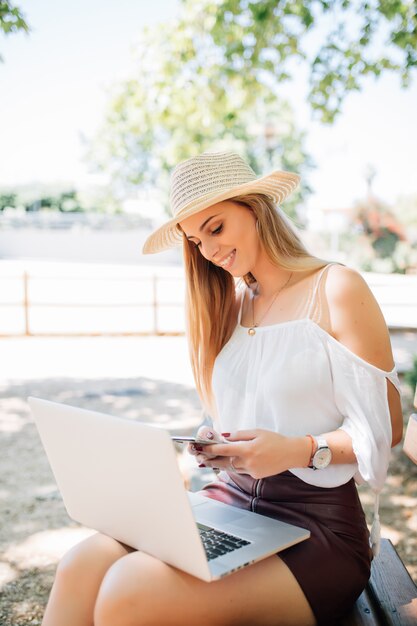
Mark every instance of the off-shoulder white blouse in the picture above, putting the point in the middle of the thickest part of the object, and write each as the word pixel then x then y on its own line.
pixel 295 378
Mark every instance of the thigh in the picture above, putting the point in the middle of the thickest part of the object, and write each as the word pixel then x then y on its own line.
pixel 140 589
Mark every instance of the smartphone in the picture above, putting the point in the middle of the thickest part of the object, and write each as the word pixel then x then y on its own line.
pixel 185 439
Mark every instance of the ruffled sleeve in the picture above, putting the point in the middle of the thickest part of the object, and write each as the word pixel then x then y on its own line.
pixel 360 393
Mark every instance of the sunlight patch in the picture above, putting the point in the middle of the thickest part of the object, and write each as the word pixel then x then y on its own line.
pixel 12 424
pixel 45 548
pixel 390 533
pixel 7 574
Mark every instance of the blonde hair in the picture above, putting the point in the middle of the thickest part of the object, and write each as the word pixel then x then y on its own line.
pixel 211 291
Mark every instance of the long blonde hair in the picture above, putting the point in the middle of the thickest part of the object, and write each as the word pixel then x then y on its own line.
pixel 211 291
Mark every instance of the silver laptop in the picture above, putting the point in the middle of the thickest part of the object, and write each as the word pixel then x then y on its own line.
pixel 121 477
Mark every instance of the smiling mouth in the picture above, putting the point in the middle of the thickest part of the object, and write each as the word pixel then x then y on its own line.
pixel 227 262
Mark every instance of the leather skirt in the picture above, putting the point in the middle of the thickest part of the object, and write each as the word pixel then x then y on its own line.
pixel 333 566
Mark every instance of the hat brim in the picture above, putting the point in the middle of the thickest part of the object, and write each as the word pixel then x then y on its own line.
pixel 277 186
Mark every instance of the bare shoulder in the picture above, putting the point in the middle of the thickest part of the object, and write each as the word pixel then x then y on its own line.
pixel 344 283
pixel 356 318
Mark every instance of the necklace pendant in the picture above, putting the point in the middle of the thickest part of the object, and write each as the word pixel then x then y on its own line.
pixel 251 331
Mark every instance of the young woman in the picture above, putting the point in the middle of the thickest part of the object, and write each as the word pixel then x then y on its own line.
pixel 296 369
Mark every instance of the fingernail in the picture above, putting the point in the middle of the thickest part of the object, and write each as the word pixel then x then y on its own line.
pixel 226 434
pixel 201 465
pixel 199 448
pixel 209 435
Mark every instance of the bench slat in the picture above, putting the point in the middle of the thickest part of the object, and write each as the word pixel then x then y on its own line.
pixel 390 598
pixel 392 587
pixel 364 612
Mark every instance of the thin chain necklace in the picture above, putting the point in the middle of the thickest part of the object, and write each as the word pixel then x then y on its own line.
pixel 251 330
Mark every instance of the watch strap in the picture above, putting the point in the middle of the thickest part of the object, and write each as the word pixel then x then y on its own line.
pixel 321 443
pixel 314 448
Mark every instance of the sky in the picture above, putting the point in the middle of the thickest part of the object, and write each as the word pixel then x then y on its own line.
pixel 54 87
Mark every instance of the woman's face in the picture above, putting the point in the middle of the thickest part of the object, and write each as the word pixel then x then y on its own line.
pixel 226 235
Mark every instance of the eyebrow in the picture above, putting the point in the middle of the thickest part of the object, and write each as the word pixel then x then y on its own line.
pixel 202 226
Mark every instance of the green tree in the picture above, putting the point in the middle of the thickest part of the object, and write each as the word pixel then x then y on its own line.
pixel 7 200
pixel 340 41
pixel 65 202
pixel 410 376
pixel 11 19
pixel 181 101
pixel 212 78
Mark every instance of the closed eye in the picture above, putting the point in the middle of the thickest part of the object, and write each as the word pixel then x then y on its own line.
pixel 216 231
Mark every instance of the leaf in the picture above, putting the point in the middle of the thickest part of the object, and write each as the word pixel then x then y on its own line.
pixel 210 77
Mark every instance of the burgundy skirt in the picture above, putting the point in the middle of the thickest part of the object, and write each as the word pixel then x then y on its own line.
pixel 333 566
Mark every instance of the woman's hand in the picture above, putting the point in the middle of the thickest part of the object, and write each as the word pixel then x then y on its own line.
pixel 198 450
pixel 259 453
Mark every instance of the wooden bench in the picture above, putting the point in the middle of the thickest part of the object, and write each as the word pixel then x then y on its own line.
pixel 390 597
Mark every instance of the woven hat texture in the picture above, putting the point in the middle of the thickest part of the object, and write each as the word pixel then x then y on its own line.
pixel 208 178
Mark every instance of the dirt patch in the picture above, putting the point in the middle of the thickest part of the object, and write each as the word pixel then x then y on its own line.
pixel 35 529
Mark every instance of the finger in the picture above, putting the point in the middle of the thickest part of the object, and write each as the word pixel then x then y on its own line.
pixel 205 432
pixel 219 462
pixel 202 458
pixel 241 435
pixel 208 434
pixel 224 449
pixel 195 448
pixel 191 449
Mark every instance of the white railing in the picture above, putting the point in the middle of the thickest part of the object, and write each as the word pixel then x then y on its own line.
pixel 138 301
pixel 71 305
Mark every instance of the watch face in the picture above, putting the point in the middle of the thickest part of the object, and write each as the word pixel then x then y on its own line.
pixel 322 458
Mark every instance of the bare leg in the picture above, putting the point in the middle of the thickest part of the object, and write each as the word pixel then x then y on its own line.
pixel 140 590
pixel 78 579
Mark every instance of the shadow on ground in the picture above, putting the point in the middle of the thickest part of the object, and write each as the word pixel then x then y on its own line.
pixel 35 529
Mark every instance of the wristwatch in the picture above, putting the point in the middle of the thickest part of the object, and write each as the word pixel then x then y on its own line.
pixel 322 456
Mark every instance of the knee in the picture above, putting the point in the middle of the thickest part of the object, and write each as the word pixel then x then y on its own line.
pixel 72 563
pixel 127 591
pixel 81 560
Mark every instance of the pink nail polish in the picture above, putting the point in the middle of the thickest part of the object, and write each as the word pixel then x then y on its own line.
pixel 226 434
pixel 209 435
pixel 201 465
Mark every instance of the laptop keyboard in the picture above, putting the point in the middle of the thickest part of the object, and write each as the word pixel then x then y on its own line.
pixel 216 543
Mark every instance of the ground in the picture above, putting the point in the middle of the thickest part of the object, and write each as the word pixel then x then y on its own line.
pixel 35 529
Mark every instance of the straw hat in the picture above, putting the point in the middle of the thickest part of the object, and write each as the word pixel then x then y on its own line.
pixel 211 177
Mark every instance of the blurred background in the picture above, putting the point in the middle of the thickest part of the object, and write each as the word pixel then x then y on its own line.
pixel 99 100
